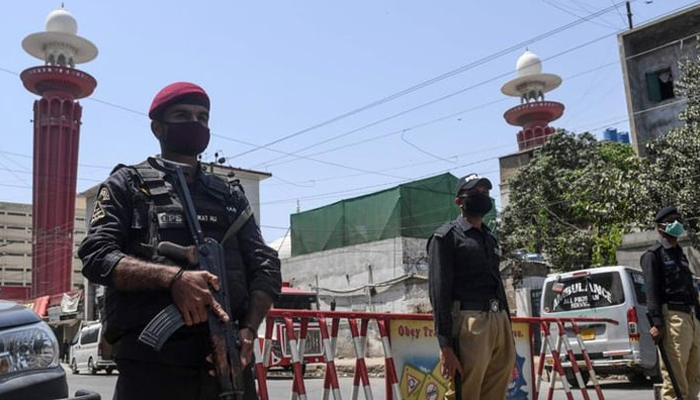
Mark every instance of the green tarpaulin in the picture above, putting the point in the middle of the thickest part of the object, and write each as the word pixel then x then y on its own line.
pixel 414 209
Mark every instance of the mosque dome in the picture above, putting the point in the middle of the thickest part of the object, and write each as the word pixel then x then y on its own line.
pixel 528 64
pixel 62 21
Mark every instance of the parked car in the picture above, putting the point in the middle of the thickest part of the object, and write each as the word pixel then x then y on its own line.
pixel 90 352
pixel 29 356
pixel 615 292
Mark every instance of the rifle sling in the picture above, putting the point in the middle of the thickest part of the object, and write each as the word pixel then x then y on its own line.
pixel 238 224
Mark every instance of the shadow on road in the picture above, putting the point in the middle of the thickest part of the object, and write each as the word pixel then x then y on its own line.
pixel 625 385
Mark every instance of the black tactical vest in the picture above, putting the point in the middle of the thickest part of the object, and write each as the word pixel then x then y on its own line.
pixel 678 280
pixel 158 216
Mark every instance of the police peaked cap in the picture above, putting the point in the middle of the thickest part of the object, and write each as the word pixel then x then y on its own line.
pixel 469 182
pixel 177 93
pixel 665 212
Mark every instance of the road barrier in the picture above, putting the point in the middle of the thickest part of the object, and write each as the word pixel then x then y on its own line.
pixel 411 336
pixel 549 347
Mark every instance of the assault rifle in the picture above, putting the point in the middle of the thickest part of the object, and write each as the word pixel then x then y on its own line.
pixel 208 256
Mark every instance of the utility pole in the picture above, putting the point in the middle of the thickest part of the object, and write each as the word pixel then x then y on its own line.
pixel 629 14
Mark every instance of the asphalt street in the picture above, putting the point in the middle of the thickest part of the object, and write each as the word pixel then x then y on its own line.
pixel 280 388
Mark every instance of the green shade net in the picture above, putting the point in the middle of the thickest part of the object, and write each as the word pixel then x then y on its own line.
pixel 414 209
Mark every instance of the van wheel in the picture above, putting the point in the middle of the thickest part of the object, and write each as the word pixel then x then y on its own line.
pixel 571 377
pixel 638 378
pixel 74 367
pixel 91 367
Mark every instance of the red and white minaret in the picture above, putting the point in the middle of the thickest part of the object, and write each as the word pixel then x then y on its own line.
pixel 56 136
pixel 534 113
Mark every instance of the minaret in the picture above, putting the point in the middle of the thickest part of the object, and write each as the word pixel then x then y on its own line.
pixel 56 136
pixel 534 113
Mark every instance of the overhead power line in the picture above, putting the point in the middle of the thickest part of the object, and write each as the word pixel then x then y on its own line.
pixel 439 78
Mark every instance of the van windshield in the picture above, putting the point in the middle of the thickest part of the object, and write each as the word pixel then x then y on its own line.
pixel 583 292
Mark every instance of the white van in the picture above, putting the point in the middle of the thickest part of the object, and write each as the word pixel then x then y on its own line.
pixel 617 293
pixel 89 351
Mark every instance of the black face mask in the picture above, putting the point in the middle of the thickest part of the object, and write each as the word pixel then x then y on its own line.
pixel 477 204
pixel 187 138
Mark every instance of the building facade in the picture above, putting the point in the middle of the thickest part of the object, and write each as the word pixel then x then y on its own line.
pixel 368 253
pixel 650 56
pixel 16 249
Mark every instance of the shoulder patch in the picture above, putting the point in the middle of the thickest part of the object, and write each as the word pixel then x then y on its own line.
pixel 103 195
pixel 97 213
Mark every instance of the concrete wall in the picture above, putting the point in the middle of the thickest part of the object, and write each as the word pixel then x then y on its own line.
pixel 647 49
pixel 363 277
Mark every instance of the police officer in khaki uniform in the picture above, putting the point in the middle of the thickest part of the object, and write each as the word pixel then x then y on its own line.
pixel 672 301
pixel 471 314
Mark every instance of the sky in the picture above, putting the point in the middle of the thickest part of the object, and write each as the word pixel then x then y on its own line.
pixel 335 99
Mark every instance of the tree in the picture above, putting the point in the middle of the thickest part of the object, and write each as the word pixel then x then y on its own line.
pixel 672 167
pixel 574 201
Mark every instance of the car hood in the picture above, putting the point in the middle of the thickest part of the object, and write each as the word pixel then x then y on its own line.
pixel 13 314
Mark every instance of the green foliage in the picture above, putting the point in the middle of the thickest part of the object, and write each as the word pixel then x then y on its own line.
pixel 574 201
pixel 578 197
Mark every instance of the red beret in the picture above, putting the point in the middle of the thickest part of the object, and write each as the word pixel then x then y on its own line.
pixel 178 92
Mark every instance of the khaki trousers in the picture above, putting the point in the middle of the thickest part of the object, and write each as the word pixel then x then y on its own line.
pixel 681 341
pixel 487 354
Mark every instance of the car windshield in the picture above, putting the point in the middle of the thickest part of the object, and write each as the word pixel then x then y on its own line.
pixel 583 292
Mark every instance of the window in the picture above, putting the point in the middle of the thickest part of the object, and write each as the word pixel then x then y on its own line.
pixel 660 85
pixel 640 289
pixel 582 292
pixel 90 334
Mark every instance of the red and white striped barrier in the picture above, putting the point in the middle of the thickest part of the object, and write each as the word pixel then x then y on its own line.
pixel 358 322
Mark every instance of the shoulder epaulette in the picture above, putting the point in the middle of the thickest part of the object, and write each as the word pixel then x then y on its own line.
pixel 216 186
pixel 444 229
pixel 655 247
pixel 118 167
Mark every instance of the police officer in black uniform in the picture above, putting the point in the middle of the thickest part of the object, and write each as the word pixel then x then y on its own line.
pixel 672 301
pixel 134 211
pixel 471 314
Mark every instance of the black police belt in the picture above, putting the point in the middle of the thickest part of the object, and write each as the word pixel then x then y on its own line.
pixel 686 308
pixel 491 305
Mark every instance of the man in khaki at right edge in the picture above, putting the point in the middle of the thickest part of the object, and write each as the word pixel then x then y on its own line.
pixel 672 301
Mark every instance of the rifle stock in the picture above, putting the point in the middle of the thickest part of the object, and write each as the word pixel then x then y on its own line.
pixel 207 254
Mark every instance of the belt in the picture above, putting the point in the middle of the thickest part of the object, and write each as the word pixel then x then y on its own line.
pixel 687 308
pixel 492 305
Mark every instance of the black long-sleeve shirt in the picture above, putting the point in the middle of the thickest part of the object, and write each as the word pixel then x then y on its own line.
pixel 668 279
pixel 124 214
pixel 115 216
pixel 463 266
